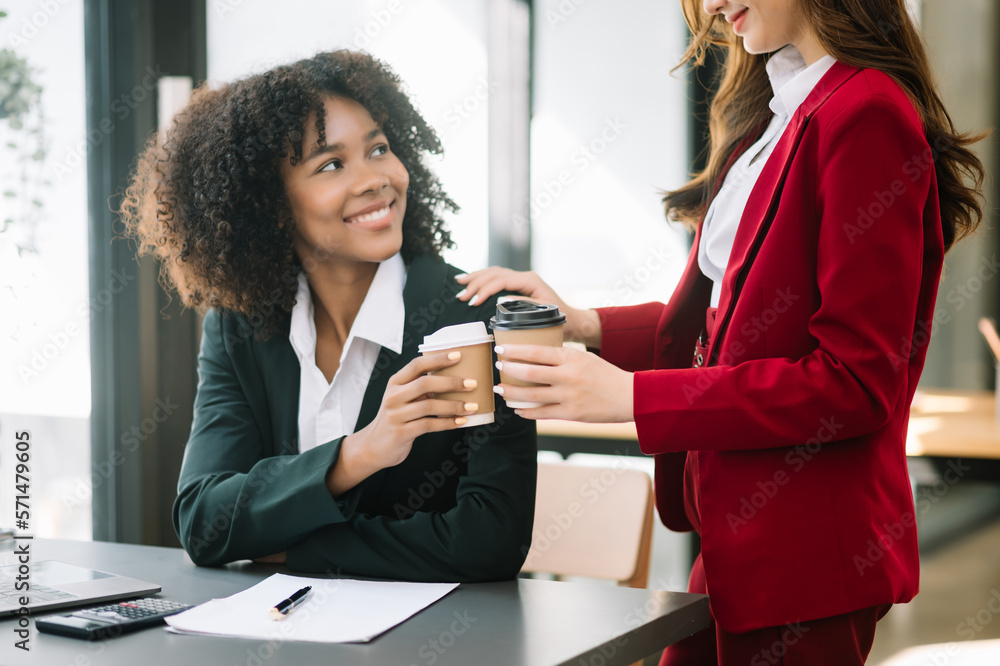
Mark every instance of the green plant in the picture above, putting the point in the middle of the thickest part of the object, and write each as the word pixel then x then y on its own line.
pixel 22 149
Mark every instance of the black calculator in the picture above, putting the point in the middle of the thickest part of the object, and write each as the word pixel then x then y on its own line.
pixel 110 620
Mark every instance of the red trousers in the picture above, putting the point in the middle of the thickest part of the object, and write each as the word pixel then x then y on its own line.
pixel 843 640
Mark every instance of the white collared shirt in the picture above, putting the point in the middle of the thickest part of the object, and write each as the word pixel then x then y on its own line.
pixel 792 82
pixel 328 410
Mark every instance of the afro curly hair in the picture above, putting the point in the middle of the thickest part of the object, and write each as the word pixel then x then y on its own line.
pixel 208 199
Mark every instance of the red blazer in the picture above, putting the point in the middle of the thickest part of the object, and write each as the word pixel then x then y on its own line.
pixel 800 421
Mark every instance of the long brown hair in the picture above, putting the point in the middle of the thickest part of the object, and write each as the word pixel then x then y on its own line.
pixel 873 34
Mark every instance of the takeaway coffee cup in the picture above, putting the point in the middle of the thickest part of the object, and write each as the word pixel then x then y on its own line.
pixel 526 323
pixel 475 344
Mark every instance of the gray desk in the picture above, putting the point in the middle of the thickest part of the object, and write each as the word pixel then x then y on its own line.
pixel 531 622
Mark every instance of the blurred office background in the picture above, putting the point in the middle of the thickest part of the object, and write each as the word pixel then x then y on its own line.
pixel 561 120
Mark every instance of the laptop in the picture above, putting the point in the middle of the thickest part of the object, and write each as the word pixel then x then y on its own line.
pixel 56 585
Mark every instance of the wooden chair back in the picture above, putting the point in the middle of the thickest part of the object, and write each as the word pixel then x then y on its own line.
pixel 592 521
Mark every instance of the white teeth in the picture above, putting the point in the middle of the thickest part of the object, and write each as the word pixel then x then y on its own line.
pixel 371 217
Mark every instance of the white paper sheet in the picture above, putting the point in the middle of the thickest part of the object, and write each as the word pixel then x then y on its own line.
pixel 336 610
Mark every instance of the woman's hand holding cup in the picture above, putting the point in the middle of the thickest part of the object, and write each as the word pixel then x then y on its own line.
pixel 575 385
pixel 409 409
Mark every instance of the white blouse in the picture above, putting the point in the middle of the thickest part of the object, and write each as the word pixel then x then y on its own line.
pixel 328 410
pixel 792 82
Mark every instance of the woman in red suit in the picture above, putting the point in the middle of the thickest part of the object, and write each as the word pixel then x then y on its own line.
pixel 836 182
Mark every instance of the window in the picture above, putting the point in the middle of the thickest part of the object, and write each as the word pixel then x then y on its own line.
pixel 608 133
pixel 438 49
pixel 44 297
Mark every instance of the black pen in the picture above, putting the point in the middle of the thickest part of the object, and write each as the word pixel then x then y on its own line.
pixel 281 610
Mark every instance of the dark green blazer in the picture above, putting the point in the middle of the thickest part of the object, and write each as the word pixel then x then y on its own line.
pixel 459 508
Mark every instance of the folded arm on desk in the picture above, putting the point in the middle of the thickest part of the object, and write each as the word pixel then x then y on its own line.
pixel 486 535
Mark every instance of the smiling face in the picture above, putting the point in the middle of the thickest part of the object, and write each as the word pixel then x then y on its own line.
pixel 347 198
pixel 768 25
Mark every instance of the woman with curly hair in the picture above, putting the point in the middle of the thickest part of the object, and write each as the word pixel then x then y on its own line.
pixel 294 207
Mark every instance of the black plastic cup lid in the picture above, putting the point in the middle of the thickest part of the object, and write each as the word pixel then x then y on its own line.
pixel 525 314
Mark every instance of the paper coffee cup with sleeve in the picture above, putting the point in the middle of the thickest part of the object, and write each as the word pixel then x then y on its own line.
pixel 520 322
pixel 476 346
